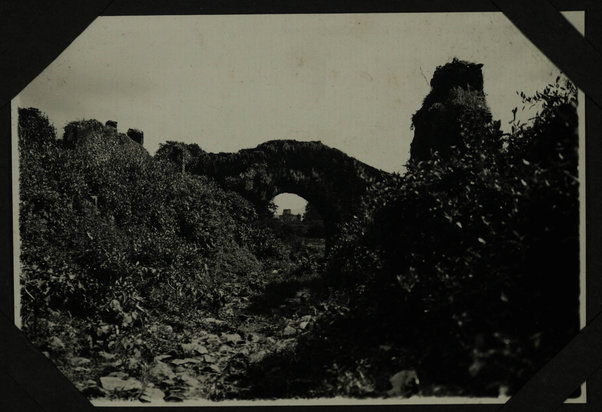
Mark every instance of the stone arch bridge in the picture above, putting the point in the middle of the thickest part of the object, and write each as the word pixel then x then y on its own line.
pixel 330 180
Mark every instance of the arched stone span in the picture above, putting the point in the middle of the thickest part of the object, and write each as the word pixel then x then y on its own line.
pixel 330 180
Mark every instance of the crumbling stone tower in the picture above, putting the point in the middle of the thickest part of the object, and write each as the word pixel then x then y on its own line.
pixel 456 96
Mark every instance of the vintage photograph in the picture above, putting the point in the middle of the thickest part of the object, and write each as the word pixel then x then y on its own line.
pixel 337 208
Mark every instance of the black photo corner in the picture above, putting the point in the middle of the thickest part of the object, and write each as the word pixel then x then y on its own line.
pixel 34 33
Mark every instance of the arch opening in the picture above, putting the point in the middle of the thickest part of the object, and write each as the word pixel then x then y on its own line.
pixel 294 204
pixel 297 221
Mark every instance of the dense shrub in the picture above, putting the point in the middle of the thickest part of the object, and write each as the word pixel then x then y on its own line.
pixel 474 257
pixel 107 232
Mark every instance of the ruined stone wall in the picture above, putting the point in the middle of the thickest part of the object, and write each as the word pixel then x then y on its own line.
pixel 456 92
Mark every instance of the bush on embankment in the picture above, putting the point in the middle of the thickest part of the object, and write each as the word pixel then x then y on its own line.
pixel 108 233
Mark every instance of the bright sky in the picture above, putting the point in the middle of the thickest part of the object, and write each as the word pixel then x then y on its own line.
pixel 352 81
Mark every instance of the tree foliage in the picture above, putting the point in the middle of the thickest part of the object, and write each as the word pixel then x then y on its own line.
pixel 475 255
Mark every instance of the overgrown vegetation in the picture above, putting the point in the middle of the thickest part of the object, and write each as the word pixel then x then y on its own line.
pixel 472 260
pixel 142 280
pixel 113 240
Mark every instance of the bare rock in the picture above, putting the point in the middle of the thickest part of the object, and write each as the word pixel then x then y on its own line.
pixel 225 348
pixel 161 358
pixel 404 383
pixel 257 357
pixel 112 383
pixel 232 337
pixel 151 395
pixel 289 331
pixel 194 348
pixel 185 361
pixel 213 368
pixel 188 379
pixel 162 371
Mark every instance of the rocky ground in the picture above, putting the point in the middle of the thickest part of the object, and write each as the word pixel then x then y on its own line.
pixel 285 334
pixel 204 355
pixel 205 365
